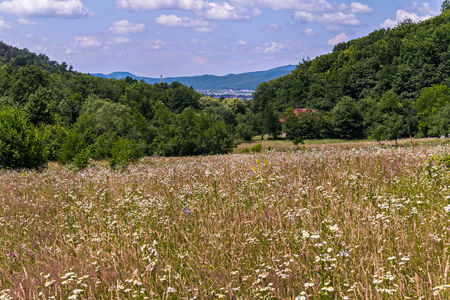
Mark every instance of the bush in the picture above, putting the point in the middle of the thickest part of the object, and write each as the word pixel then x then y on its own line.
pixel 245 131
pixel 298 140
pixel 256 148
pixel 53 137
pixel 270 149
pixel 21 145
pixel 73 145
pixel 81 160
pixel 123 153
pixel 245 150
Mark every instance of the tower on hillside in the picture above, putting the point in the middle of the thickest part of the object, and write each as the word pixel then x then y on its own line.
pixel 160 79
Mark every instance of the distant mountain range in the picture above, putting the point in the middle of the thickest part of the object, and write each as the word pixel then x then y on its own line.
pixel 211 82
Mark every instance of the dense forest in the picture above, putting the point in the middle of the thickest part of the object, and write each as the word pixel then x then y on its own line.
pixel 50 112
pixel 392 83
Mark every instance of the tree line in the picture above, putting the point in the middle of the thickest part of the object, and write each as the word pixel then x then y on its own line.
pixel 49 112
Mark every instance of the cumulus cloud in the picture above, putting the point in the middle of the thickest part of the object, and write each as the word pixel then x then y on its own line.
pixel 402 15
pixel 4 25
pixel 332 27
pixel 45 8
pixel 121 40
pixel 175 21
pixel 272 27
pixel 274 47
pixel 207 10
pixel 158 44
pixel 126 27
pixel 309 32
pixel 358 8
pixel 327 18
pixel 27 22
pixel 411 12
pixel 86 42
pixel 338 39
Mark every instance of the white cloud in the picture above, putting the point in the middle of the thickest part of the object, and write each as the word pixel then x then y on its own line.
pixel 175 21
pixel 327 18
pixel 126 27
pixel 310 32
pixel 272 27
pixel 4 25
pixel 274 48
pixel 45 8
pixel 72 51
pixel 30 36
pixel 338 39
pixel 158 44
pixel 241 43
pixel 87 42
pixel 358 8
pixel 424 8
pixel 402 15
pixel 121 40
pixel 206 10
pixel 332 27
pixel 27 22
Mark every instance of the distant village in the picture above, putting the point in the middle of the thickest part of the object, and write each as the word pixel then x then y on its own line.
pixel 246 95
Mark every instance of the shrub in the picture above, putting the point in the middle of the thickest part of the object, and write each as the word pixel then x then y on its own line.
pixel 123 153
pixel 270 149
pixel 21 145
pixel 73 145
pixel 256 148
pixel 245 150
pixel 81 160
pixel 298 140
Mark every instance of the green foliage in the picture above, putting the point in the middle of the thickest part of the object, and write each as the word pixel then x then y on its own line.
pixel 298 140
pixel 245 150
pixel 245 131
pixel 21 145
pixel 124 152
pixel 53 137
pixel 445 5
pixel 191 133
pixel 390 129
pixel 429 103
pixel 81 160
pixel 346 120
pixel 256 148
pixel 271 122
pixel 74 144
pixel 440 123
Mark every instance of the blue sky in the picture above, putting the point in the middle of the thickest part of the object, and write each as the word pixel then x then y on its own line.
pixel 193 37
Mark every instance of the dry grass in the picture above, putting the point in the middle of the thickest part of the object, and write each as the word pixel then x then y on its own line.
pixel 327 223
pixel 282 144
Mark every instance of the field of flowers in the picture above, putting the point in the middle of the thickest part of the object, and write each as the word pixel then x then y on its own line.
pixel 326 223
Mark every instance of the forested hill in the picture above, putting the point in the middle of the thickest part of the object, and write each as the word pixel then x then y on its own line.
pixel 403 60
pixel 211 82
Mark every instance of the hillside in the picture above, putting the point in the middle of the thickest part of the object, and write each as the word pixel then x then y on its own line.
pixel 211 82
pixel 387 68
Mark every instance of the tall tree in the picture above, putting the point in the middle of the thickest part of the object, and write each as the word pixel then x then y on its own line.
pixel 445 5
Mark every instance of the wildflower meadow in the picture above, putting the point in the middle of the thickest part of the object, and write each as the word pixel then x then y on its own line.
pixel 319 223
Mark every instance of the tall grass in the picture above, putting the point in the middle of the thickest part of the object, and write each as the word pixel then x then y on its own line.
pixel 327 223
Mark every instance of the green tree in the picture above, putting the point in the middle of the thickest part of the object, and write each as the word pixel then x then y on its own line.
pixel 430 101
pixel 391 128
pixel 21 145
pixel 445 5
pixel 346 120
pixel 271 122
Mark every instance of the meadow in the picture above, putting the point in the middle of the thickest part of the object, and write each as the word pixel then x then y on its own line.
pixel 368 222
